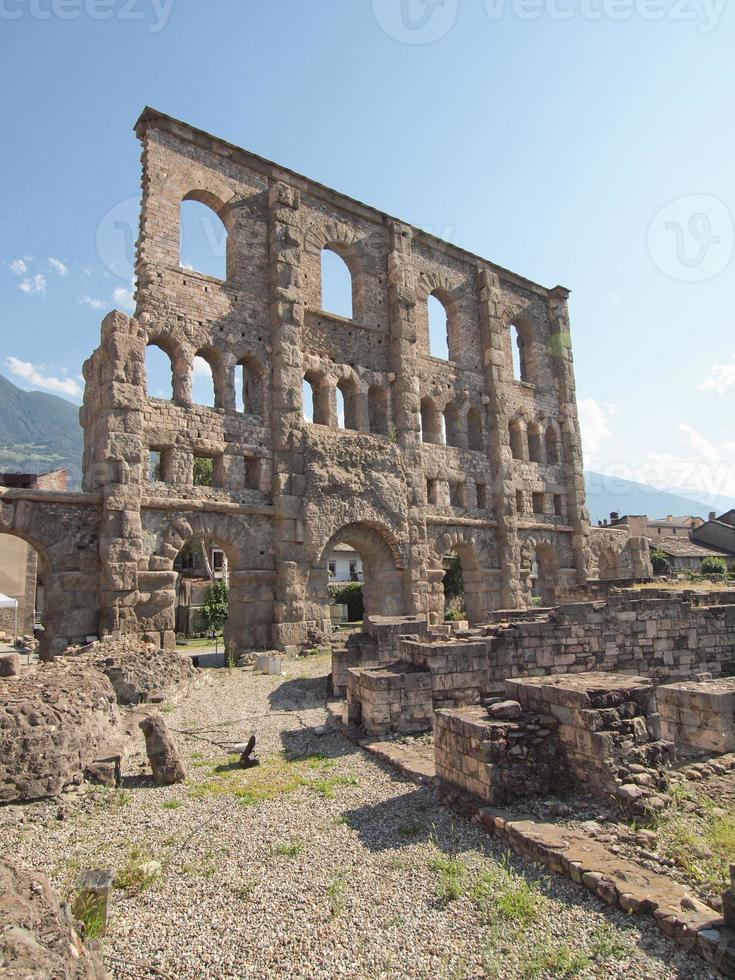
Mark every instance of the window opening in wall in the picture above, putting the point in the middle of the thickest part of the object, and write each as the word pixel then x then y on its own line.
pixel 203 241
pixel 158 373
pixel 203 471
pixel 519 354
pixel 538 503
pixel 438 328
pixel 155 466
pixel 202 382
pixel 432 492
pixel 558 505
pixel 308 401
pixel 520 503
pixel 481 490
pixel 336 284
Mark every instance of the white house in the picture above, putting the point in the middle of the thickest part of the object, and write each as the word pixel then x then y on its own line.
pixel 345 564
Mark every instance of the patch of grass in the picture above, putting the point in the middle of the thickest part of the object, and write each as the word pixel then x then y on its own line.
pixel 341 819
pixel 89 909
pixel 411 829
pixel 167 708
pixel 607 944
pixel 335 893
pixel 139 872
pixel 555 959
pixel 245 891
pixel 171 804
pixel 500 893
pixel 451 874
pixel 325 787
pixel 292 849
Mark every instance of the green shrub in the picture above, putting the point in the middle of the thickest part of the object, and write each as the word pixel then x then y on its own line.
pixel 348 594
pixel 214 610
pixel 713 566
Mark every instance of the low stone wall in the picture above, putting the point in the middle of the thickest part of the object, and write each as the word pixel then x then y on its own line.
pixel 377 644
pixel 384 699
pixel 699 714
pixel 497 760
pixel 608 726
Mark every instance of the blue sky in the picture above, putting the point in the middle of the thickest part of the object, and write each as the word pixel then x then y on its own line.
pixel 582 142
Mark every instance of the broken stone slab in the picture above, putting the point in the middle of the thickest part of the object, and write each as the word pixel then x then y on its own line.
pixel 9 664
pixel 92 898
pixel 162 753
pixel 504 710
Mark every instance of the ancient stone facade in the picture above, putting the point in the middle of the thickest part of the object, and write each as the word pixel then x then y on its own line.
pixel 435 457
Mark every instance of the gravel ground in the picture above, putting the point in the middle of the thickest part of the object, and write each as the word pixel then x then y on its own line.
pixel 330 865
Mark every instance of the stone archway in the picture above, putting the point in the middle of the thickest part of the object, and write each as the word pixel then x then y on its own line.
pixel 480 573
pixel 383 575
pixel 540 567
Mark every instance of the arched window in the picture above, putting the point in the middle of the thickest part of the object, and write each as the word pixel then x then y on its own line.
pixel 438 328
pixel 535 444
pixel 517 441
pixel 316 399
pixel 336 284
pixel 475 430
pixel 552 446
pixel 347 396
pixel 249 387
pixel 519 351
pixel 205 380
pixel 432 423
pixel 378 410
pixel 454 424
pixel 203 236
pixel 158 372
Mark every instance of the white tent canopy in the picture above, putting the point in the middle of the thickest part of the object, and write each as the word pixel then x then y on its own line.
pixel 7 603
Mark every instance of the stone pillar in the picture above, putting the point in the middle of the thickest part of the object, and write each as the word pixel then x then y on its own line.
pixel 406 405
pixel 560 350
pixel 497 375
pixel 287 319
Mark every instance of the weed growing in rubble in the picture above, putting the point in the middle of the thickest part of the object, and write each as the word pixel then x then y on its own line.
pixel 139 872
pixel 335 892
pixel 292 849
pixel 451 874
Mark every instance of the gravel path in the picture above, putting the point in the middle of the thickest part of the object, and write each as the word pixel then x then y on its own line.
pixel 329 865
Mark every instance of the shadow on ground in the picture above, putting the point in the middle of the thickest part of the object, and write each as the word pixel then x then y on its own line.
pixel 299 694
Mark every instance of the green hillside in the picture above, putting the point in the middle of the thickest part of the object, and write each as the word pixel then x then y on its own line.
pixel 38 432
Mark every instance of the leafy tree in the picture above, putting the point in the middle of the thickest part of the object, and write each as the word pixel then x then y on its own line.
pixel 214 611
pixel 713 566
pixel 453 579
pixel 203 471
pixel 348 594
pixel 660 562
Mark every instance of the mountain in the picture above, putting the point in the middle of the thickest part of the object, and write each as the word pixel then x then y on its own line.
pixel 38 433
pixel 606 494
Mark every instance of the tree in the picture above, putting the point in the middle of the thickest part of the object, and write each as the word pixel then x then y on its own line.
pixel 660 562
pixel 203 471
pixel 215 611
pixel 348 594
pixel 453 579
pixel 713 566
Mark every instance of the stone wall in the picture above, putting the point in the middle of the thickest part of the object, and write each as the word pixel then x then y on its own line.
pixel 699 714
pixel 435 457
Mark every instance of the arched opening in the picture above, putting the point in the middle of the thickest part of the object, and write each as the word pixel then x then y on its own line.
pixel 249 395
pixel 203 236
pixel 315 395
pixel 464 585
pixel 359 561
pixel 535 444
pixel 337 286
pixel 438 327
pixel 519 353
pixel 204 389
pixel 432 423
pixel 475 430
pixel 517 441
pixel 378 409
pixel 552 446
pixel 545 575
pixel 347 405
pixel 22 583
pixel 159 371
pixel 456 432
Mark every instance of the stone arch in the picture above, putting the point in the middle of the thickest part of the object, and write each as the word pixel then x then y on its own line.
pixel 432 422
pixel 383 571
pixel 455 421
pixel 251 581
pixel 520 340
pixel 379 413
pixel 253 385
pixel 337 237
pixel 541 566
pixel 517 437
pixel 607 562
pixel 444 290
pixel 216 362
pixel 180 364
pixel 536 447
pixel 477 554
pixel 476 429
pixel 552 444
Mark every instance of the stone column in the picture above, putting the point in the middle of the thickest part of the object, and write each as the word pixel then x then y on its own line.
pixel 406 404
pixel 497 375
pixel 560 349
pixel 289 484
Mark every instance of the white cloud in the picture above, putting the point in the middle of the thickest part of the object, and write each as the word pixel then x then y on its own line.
pixel 201 369
pixel 33 375
pixel 594 421
pixel 18 267
pixel 707 450
pixel 58 266
pixel 720 378
pixel 123 297
pixel 35 286
pixel 707 467
pixel 92 302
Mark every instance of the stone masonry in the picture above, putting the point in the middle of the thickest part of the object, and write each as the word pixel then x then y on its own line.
pixel 435 458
